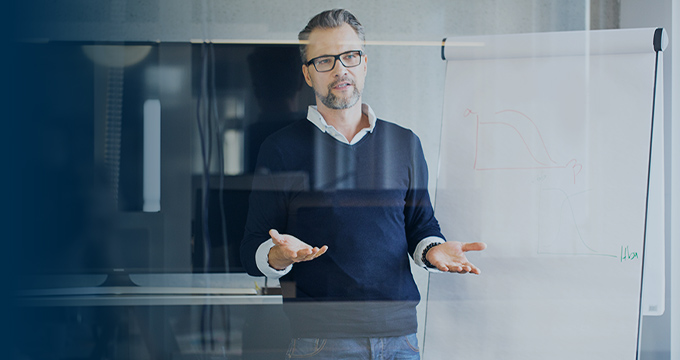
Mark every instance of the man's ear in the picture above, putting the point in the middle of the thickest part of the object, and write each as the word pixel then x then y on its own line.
pixel 305 72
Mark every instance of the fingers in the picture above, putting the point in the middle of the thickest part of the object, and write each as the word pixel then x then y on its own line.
pixel 474 246
pixel 461 269
pixel 458 268
pixel 321 251
pixel 450 257
pixel 309 253
pixel 276 237
pixel 295 250
pixel 303 255
pixel 468 267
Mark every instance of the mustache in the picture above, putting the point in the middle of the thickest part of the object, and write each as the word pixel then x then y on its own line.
pixel 343 79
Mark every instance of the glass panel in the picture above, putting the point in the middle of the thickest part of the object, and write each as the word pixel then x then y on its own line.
pixel 142 124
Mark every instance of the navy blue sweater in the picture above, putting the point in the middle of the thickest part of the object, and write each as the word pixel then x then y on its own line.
pixel 368 202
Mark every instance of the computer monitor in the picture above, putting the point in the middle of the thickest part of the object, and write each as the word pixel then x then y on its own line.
pixel 82 144
pixel 82 141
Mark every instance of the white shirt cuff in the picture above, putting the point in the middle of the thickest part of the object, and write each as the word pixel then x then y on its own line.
pixel 418 253
pixel 262 261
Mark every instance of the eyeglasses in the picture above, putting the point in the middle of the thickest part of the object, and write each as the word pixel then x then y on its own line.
pixel 326 63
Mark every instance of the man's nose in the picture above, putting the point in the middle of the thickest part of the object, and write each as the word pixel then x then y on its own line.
pixel 339 68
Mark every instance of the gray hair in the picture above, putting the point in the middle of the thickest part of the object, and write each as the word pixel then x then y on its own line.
pixel 329 19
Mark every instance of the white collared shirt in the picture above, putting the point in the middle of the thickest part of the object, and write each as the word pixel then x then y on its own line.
pixel 315 117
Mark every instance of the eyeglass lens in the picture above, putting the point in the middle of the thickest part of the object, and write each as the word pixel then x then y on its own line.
pixel 327 63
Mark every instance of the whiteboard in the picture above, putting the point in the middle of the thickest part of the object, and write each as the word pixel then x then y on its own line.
pixel 545 157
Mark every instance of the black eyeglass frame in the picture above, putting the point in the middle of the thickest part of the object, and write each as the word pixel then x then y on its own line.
pixel 335 60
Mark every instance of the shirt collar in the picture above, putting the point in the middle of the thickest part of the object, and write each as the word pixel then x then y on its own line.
pixel 317 119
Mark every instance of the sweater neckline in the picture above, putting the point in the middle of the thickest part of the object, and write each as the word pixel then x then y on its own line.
pixel 332 140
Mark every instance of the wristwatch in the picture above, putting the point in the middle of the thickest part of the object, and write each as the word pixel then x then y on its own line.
pixel 424 257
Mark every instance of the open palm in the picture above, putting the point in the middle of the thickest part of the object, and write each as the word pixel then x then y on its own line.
pixel 450 256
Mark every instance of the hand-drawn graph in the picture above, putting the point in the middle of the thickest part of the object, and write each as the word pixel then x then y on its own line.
pixel 523 144
pixel 561 224
pixel 511 140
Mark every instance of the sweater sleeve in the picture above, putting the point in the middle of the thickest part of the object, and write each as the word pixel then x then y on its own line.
pixel 267 207
pixel 418 212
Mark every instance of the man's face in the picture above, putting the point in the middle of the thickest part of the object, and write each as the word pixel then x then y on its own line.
pixel 341 87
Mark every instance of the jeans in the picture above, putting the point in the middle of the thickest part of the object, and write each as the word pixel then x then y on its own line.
pixel 386 348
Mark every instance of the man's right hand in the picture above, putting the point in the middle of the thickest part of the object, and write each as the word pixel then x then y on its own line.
pixel 288 250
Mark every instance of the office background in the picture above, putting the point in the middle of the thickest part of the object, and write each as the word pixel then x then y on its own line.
pixel 405 80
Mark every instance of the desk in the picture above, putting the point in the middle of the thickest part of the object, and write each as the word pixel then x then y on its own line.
pixel 172 321
pixel 148 300
pixel 154 289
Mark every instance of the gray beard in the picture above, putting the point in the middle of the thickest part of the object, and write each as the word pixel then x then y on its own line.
pixel 337 103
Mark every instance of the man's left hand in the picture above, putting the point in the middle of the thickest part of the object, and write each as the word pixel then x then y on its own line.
pixel 450 256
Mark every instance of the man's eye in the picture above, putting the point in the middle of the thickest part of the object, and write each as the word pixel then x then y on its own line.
pixel 322 61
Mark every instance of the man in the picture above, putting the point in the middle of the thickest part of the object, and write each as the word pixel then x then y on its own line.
pixel 339 236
